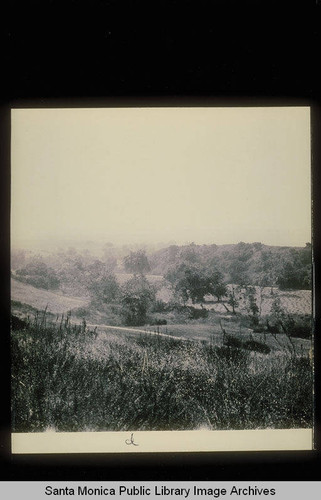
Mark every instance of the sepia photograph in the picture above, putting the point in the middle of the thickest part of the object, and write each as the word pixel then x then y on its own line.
pixel 161 273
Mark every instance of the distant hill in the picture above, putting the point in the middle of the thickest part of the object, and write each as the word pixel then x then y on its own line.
pixel 244 263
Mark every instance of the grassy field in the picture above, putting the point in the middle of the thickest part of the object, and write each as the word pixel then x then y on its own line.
pixel 212 333
pixel 70 378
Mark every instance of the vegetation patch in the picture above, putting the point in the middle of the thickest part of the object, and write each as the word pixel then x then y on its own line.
pixel 71 378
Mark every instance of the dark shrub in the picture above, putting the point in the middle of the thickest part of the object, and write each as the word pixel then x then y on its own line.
pixel 17 323
pixel 159 322
pixel 299 326
pixel 197 313
pixel 253 345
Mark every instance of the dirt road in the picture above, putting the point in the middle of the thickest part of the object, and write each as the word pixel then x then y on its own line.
pixel 135 330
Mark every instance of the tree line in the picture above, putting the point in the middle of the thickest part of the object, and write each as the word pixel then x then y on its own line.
pixel 243 264
pixel 192 272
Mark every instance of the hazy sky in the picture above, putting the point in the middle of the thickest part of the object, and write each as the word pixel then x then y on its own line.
pixel 208 175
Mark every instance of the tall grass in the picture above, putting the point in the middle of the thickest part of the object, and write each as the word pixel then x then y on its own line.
pixel 68 378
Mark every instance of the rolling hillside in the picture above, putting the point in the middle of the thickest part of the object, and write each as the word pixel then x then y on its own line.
pixel 40 299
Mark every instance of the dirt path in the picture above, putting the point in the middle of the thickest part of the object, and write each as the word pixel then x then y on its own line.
pixel 135 330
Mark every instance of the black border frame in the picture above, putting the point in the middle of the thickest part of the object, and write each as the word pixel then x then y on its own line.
pixel 267 63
